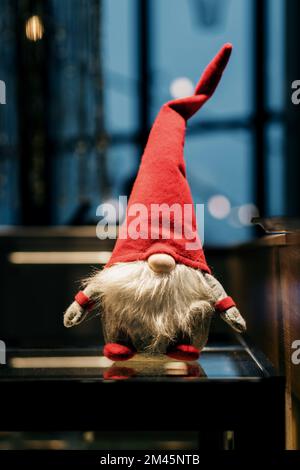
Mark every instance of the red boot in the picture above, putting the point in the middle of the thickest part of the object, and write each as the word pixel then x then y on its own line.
pixel 183 352
pixel 118 352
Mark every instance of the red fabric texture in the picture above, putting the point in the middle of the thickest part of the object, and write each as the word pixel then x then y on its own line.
pixel 118 373
pixel 83 300
pixel 118 352
pixel 184 352
pixel 162 179
pixel 224 304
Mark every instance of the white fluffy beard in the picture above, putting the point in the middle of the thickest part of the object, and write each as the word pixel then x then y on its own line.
pixel 153 310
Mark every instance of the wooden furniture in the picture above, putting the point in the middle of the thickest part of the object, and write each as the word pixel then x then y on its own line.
pixel 265 282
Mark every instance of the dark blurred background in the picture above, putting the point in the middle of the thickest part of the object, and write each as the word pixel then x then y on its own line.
pixel 85 79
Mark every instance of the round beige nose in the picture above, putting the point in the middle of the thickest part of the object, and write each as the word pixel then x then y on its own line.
pixel 161 263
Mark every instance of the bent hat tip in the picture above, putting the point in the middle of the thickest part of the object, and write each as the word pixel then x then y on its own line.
pixel 222 57
pixel 225 51
pixel 228 46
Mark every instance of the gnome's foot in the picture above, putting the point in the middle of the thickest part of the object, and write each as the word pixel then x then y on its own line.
pixel 118 352
pixel 183 352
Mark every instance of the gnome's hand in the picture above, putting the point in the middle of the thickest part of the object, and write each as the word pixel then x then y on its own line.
pixel 79 309
pixel 233 317
pixel 74 315
pixel 231 314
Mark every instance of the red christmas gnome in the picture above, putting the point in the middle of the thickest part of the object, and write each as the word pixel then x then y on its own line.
pixel 156 293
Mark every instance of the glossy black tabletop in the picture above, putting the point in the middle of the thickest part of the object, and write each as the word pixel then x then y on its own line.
pixel 231 359
pixel 231 387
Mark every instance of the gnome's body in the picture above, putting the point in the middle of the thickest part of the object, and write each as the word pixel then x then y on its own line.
pixel 157 294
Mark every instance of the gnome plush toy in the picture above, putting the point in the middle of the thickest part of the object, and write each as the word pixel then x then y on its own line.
pixel 157 294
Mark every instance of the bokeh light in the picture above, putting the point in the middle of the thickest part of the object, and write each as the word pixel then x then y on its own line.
pixel 246 212
pixel 219 206
pixel 34 28
pixel 181 87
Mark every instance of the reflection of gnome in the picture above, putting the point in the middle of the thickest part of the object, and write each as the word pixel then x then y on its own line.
pixel 157 293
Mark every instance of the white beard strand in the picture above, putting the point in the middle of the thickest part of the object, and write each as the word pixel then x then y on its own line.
pixel 153 310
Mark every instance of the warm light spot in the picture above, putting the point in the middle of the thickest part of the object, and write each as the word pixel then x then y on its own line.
pixel 246 213
pixel 45 444
pixel 58 362
pixel 219 206
pixel 59 257
pixel 89 436
pixel 34 28
pixel 176 368
pixel 181 87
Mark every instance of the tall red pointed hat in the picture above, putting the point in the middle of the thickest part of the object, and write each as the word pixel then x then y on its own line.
pixel 161 182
